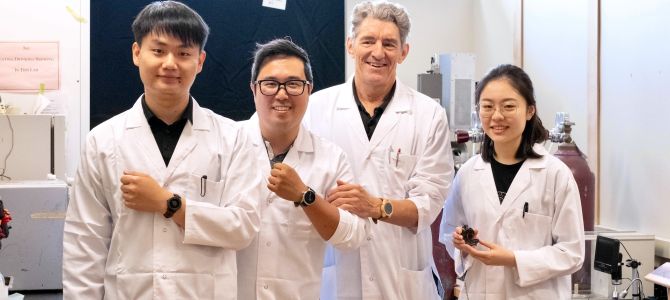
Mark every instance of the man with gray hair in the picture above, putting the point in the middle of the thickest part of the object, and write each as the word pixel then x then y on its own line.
pixel 285 260
pixel 397 141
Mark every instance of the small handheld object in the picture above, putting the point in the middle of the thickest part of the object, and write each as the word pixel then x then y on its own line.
pixel 468 235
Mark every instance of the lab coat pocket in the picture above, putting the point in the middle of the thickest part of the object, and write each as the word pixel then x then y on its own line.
pixel 402 165
pixel 537 231
pixel 418 284
pixel 205 190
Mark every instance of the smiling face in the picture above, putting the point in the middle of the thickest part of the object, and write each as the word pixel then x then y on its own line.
pixel 510 112
pixel 282 113
pixel 167 66
pixel 377 51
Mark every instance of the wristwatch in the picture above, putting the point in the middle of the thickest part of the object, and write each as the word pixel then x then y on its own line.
pixel 308 198
pixel 173 205
pixel 386 209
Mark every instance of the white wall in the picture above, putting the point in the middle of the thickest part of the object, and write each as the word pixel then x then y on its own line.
pixel 495 33
pixel 635 71
pixel 35 20
pixel 555 57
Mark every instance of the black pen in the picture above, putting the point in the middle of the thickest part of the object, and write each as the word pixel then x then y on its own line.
pixel 525 210
pixel 203 185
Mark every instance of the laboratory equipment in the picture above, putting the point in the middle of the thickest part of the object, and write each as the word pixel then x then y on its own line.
pixel 33 254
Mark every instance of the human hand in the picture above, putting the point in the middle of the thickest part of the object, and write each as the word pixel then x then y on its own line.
pixel 286 183
pixel 459 241
pixel 141 192
pixel 495 255
pixel 355 199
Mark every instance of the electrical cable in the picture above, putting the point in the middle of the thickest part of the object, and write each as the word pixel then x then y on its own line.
pixel 636 279
pixel 11 148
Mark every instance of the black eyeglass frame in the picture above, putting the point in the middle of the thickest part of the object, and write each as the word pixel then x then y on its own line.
pixel 282 84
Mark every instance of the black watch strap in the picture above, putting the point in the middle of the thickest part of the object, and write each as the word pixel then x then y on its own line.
pixel 173 205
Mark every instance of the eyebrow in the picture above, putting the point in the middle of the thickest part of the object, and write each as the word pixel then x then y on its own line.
pixel 275 78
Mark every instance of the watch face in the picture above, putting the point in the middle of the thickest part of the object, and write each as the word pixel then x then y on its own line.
pixel 173 204
pixel 310 196
pixel 388 208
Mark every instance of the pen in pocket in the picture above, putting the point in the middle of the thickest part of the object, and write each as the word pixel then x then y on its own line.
pixel 203 185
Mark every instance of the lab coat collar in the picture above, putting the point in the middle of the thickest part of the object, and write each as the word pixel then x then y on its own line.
pixel 521 181
pixel 400 102
pixel 302 143
pixel 136 117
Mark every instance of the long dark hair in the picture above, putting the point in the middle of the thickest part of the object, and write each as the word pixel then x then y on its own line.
pixel 534 132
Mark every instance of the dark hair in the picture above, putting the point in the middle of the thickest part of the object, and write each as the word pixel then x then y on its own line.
pixel 171 18
pixel 279 47
pixel 534 132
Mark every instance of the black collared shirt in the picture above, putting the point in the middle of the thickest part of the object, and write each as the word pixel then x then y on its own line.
pixel 370 122
pixel 166 135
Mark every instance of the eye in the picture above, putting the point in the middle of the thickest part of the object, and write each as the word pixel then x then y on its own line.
pixel 294 84
pixel 157 51
pixel 269 84
pixel 486 107
pixel 185 54
pixel 509 107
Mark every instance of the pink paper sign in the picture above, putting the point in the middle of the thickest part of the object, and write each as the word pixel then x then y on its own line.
pixel 24 66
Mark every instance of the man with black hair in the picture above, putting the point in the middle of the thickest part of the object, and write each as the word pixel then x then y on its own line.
pixel 285 260
pixel 166 191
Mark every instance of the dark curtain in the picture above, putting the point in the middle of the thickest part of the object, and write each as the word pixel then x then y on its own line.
pixel 235 28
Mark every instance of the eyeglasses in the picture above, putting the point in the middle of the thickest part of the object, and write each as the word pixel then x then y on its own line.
pixel 486 110
pixel 271 87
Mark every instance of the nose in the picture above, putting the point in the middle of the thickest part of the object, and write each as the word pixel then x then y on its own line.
pixel 497 114
pixel 378 50
pixel 170 61
pixel 281 92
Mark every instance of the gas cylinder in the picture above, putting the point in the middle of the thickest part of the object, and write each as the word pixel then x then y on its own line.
pixel 568 152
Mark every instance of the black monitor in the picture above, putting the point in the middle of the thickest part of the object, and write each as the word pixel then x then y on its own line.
pixel 607 255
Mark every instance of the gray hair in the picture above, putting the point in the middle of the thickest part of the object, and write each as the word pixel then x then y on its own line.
pixel 384 11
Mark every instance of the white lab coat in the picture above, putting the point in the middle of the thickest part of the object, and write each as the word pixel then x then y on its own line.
pixel 409 156
pixel 548 242
pixel 285 260
pixel 113 252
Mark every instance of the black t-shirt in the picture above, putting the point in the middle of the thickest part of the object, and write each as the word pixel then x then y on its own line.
pixel 503 175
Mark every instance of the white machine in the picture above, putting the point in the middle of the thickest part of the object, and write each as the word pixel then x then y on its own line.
pixel 32 254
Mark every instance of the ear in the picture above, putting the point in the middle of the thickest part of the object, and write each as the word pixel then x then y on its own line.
pixel 310 88
pixel 201 60
pixel 136 53
pixel 253 90
pixel 350 46
pixel 530 112
pixel 405 51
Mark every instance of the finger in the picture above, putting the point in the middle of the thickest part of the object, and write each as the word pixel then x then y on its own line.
pixel 275 172
pixel 127 179
pixel 347 207
pixel 125 188
pixel 487 244
pixel 134 173
pixel 278 166
pixel 341 201
pixel 341 182
pixel 272 187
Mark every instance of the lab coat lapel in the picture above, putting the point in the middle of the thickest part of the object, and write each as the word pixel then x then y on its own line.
pixel 519 184
pixel 138 138
pixel 487 184
pixel 347 109
pixel 190 136
pixel 302 144
pixel 398 106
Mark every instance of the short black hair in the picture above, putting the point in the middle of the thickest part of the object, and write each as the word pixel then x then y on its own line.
pixel 172 18
pixel 283 47
pixel 534 132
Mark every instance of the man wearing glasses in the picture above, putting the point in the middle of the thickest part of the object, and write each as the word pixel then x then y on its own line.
pixel 285 260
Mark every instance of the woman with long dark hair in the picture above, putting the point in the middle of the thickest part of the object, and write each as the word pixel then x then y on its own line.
pixel 521 204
